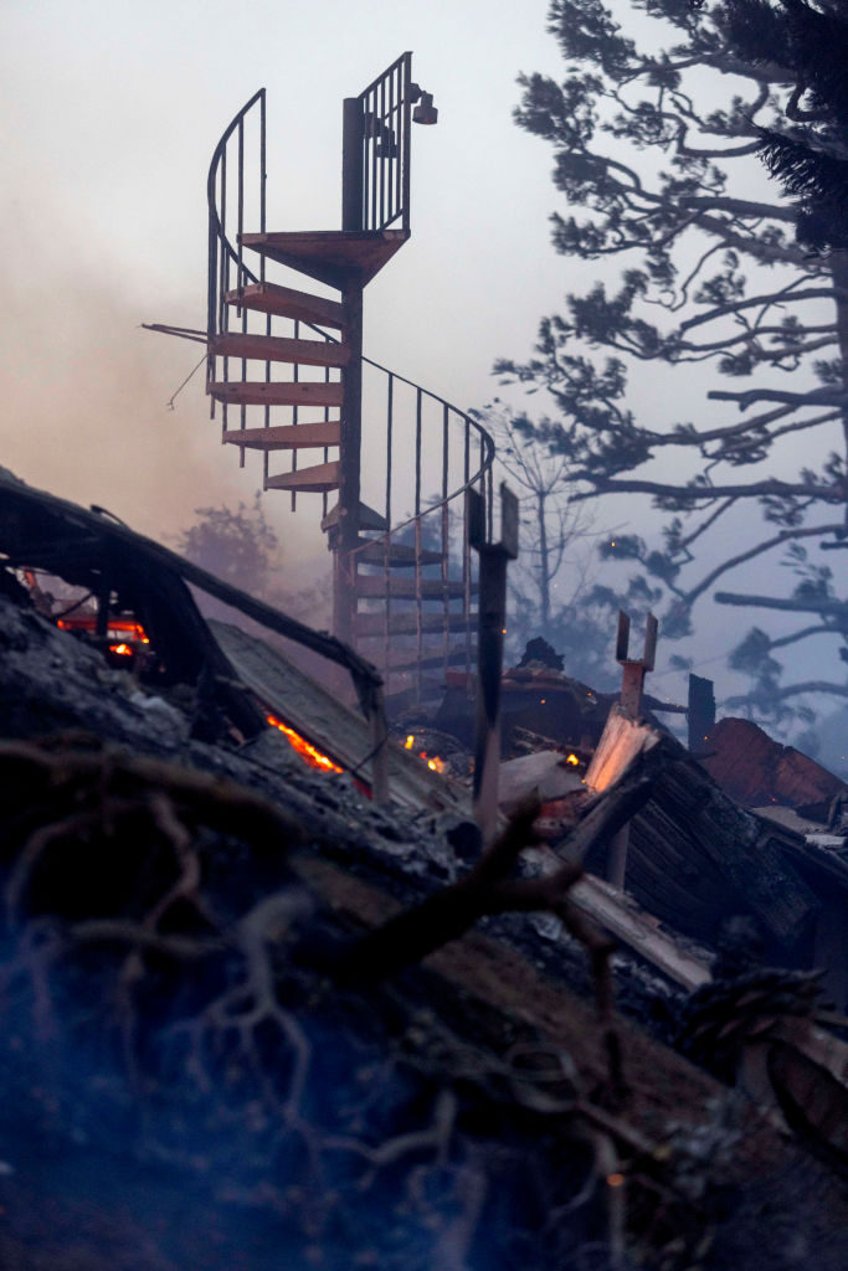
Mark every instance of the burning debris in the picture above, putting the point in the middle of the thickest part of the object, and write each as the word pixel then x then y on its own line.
pixel 348 1034
pixel 308 753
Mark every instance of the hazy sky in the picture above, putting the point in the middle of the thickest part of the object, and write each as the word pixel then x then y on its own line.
pixel 109 112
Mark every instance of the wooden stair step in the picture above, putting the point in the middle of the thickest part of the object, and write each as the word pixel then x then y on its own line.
pixel 318 479
pixel 280 393
pixel 335 257
pixel 374 624
pixel 288 302
pixel 287 436
pixel 368 519
pixel 277 348
pixel 399 555
pixel 378 585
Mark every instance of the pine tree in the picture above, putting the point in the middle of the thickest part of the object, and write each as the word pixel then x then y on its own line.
pixel 808 154
pixel 659 151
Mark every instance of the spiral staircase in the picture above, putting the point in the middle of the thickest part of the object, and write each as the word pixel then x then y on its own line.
pixel 383 462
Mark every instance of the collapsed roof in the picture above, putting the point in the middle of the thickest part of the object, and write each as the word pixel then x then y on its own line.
pixel 221 945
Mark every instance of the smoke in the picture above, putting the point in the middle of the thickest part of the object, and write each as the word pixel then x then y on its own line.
pixel 85 391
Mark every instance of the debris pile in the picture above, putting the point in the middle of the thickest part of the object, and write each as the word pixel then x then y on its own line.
pixel 255 1018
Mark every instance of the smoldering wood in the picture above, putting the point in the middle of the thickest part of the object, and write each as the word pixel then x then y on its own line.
pixel 488 890
pixel 95 551
pixel 498 1027
pixel 75 534
pixel 695 857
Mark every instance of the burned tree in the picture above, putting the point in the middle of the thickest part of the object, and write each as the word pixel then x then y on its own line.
pixel 557 594
pixel 554 524
pixel 713 276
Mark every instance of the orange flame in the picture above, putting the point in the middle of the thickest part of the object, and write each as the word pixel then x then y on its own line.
pixel 305 749
pixel 124 650
pixel 118 627
pixel 573 760
pixel 433 762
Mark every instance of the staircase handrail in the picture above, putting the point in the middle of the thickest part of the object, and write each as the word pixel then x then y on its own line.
pixel 217 225
pixel 218 239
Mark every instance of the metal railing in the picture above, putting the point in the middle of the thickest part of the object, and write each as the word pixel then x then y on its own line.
pixel 376 151
pixel 418 464
pixel 226 268
pixel 420 460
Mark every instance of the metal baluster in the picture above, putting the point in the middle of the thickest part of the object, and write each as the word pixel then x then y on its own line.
pixel 466 557
pixel 407 125
pixel 269 326
pixel 390 179
pixel 212 305
pixel 223 312
pixel 324 503
pixel 371 181
pixel 263 177
pixel 445 563
pixel 384 149
pixel 419 619
pixel 295 417
pixel 327 378
pixel 387 538
pixel 366 159
pixel 240 269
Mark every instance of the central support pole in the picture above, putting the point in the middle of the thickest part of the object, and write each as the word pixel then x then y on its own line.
pixel 345 536
pixel 353 136
pixel 345 533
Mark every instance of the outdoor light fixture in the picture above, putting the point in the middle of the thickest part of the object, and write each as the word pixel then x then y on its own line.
pixel 425 112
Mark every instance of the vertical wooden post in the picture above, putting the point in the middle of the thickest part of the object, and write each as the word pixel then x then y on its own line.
pixel 633 672
pixel 494 558
pixel 380 748
pixel 701 715
pixel 104 595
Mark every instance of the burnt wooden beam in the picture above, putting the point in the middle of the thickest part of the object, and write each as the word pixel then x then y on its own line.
pixel 73 524
pixel 494 558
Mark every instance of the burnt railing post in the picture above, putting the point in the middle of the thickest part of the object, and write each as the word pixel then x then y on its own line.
pixel 701 714
pixel 494 558
pixel 633 672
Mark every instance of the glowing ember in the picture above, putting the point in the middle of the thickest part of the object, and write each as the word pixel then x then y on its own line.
pixel 124 649
pixel 573 760
pixel 433 762
pixel 119 629
pixel 305 749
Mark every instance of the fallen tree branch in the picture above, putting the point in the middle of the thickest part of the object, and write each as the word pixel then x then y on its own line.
pixel 486 891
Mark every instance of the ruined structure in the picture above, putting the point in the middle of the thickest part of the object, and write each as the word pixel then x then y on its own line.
pixel 387 461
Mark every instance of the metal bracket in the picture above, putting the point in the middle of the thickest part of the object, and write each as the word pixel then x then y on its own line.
pixel 634 670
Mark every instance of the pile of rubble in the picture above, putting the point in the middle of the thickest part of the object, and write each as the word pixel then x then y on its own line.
pixel 255 1017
